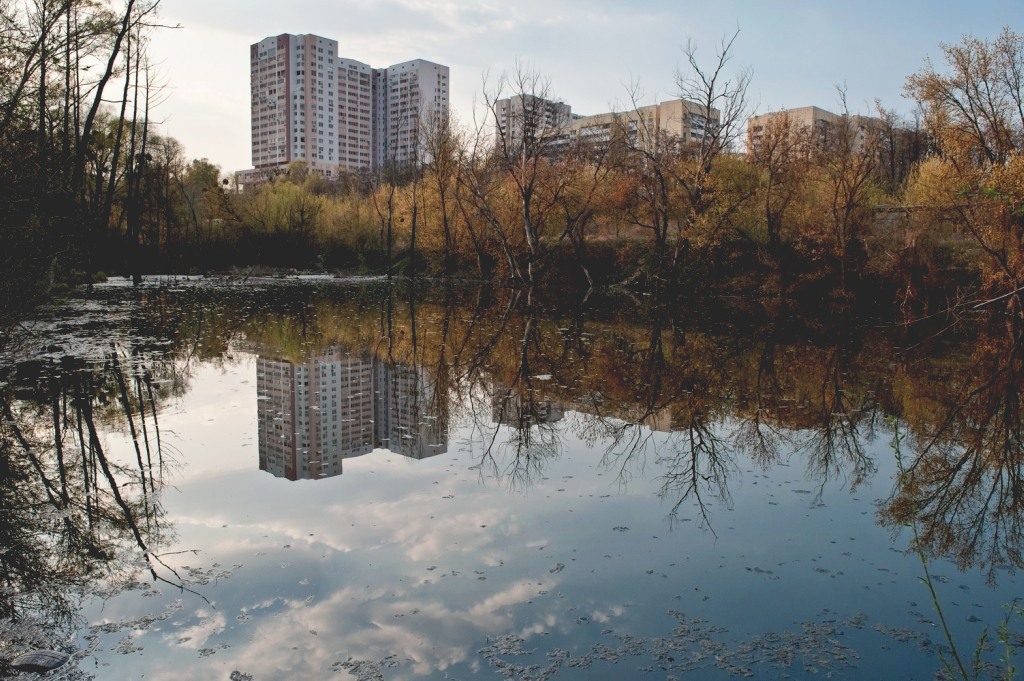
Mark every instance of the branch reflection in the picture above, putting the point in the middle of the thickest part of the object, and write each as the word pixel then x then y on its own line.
pixel 682 399
pixel 963 486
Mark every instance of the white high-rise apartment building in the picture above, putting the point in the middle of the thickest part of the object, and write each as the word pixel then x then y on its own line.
pixel 294 99
pixel 355 115
pixel 411 98
pixel 336 114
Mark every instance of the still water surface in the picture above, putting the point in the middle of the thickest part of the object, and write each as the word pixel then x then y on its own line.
pixel 315 479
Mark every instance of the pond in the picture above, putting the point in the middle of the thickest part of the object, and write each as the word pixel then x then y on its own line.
pixel 312 478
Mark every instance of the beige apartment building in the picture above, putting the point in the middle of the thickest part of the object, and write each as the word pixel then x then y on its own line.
pixel 676 120
pixel 810 118
pixel 554 124
pixel 336 114
pixel 529 118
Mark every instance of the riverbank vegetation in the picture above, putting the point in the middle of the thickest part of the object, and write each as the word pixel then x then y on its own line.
pixel 923 212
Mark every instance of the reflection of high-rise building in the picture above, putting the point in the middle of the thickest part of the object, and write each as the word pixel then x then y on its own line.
pixel 314 415
pixel 511 409
pixel 275 410
pixel 403 426
pixel 334 406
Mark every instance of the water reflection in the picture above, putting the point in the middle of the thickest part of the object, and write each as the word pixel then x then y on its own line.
pixel 660 392
pixel 333 405
pixel 73 518
pixel 690 402
pixel 964 484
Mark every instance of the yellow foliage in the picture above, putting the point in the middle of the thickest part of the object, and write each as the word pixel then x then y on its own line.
pixel 935 183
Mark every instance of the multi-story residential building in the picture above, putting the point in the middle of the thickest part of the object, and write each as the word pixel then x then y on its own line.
pixel 804 118
pixel 355 115
pixel 411 99
pixel 814 124
pixel 333 113
pixel 675 120
pixel 554 126
pixel 529 119
pixel 293 98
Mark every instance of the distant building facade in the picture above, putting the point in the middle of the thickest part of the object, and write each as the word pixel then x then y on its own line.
pixel 676 120
pixel 336 114
pixel 527 117
pixel 815 124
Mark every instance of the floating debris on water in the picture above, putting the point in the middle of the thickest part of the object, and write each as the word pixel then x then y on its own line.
pixel 40 661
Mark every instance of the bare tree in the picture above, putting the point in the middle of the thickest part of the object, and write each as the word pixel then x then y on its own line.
pixel 445 156
pixel 722 110
pixel 528 124
pixel 849 158
pixel 780 152
pixel 673 171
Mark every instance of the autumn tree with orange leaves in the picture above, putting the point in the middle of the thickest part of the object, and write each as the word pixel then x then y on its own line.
pixel 974 111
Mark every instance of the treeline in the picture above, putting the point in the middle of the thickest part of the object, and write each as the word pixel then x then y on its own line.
pixel 916 211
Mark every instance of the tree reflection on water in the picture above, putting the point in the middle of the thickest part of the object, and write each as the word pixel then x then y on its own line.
pixel 963 485
pixel 682 397
pixel 72 517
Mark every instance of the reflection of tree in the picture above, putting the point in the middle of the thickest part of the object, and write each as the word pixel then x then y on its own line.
pixel 675 384
pixel 842 420
pixel 71 514
pixel 531 439
pixel 415 400
pixel 670 395
pixel 964 488
pixel 520 452
pixel 757 433
pixel 626 374
pixel 698 462
pixel 667 392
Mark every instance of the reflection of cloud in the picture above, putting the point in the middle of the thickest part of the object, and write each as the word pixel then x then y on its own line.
pixel 421 537
pixel 285 638
pixel 487 610
pixel 600 616
pixel 210 623
pixel 246 539
pixel 353 580
pixel 426 538
pixel 549 623
pixel 429 635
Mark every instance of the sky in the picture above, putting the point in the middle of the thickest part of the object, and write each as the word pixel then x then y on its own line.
pixel 592 53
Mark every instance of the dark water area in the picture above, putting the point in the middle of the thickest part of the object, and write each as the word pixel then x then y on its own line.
pixel 317 478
